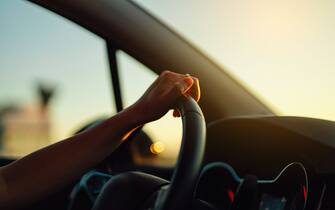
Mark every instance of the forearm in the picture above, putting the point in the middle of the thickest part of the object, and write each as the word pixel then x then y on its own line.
pixel 51 168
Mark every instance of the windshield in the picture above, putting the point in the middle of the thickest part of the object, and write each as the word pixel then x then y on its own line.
pixel 283 51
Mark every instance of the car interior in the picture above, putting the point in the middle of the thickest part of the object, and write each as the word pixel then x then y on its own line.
pixel 236 153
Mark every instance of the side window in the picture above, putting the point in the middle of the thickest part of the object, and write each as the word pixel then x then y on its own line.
pixel 165 133
pixel 53 78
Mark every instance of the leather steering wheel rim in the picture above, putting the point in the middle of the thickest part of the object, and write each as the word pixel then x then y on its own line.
pixel 179 194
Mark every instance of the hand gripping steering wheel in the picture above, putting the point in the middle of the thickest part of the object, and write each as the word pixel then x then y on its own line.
pixel 136 190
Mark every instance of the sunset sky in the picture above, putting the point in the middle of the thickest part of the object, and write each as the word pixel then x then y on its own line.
pixel 284 51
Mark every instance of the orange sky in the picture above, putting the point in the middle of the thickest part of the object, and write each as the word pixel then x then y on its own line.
pixel 283 50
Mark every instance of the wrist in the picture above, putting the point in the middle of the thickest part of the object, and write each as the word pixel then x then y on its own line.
pixel 133 118
pixel 135 115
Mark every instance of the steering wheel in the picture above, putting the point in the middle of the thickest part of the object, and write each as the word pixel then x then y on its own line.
pixel 136 190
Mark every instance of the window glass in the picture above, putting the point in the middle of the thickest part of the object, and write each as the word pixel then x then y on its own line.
pixel 53 78
pixel 166 132
pixel 281 50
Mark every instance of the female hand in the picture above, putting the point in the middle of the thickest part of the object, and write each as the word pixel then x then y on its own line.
pixel 162 95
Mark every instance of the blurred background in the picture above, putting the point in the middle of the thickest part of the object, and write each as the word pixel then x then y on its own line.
pixel 54 75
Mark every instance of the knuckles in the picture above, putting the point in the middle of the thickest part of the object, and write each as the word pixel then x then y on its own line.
pixel 166 73
pixel 175 81
pixel 178 88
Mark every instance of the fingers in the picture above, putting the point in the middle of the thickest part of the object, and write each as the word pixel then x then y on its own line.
pixel 181 85
pixel 194 91
pixel 162 95
pixel 184 84
pixel 193 88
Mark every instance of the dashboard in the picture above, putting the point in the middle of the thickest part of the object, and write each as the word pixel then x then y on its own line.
pixel 221 187
pixel 265 147
pixel 258 163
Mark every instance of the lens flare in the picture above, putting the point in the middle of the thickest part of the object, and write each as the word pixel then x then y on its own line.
pixel 157 147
